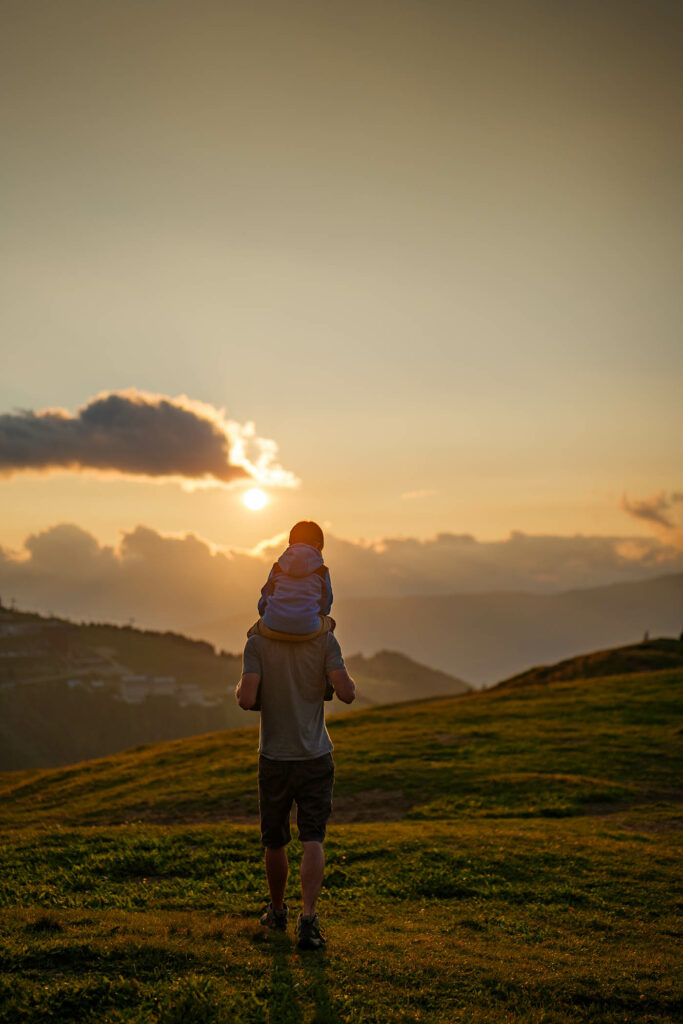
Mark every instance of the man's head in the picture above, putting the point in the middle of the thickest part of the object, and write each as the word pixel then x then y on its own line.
pixel 307 532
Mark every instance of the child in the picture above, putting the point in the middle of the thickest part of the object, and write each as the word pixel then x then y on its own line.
pixel 298 593
pixel 297 596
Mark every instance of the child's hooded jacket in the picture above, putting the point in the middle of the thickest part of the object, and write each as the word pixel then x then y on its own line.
pixel 298 591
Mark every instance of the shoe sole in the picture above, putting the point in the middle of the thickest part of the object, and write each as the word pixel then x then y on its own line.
pixel 311 944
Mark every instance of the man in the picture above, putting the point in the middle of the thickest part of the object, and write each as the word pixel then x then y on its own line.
pixel 295 762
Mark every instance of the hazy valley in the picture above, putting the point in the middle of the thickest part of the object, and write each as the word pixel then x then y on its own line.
pixel 485 637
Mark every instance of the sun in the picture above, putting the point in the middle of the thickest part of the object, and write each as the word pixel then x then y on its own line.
pixel 255 498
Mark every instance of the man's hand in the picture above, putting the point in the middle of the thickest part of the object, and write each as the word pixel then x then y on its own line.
pixel 246 690
pixel 344 686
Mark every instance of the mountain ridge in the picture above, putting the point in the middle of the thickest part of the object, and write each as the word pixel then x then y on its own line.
pixel 484 638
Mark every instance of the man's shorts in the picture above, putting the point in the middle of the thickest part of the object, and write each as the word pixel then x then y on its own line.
pixel 309 783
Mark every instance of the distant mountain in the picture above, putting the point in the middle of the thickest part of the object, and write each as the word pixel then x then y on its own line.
pixel 70 692
pixel 389 677
pixel 487 637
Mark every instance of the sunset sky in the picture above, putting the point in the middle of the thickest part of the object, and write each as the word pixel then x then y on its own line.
pixel 432 251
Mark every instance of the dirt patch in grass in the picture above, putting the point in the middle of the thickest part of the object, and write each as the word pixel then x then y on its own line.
pixel 46 922
pixel 674 798
pixel 670 825
pixel 603 808
pixel 371 805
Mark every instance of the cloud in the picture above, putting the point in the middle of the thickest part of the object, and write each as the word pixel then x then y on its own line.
pixel 178 582
pixel 412 495
pixel 159 580
pixel 459 563
pixel 664 511
pixel 138 434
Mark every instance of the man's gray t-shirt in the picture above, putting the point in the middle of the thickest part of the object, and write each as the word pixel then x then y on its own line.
pixel 292 693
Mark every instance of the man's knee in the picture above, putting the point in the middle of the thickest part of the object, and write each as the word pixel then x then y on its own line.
pixel 313 856
pixel 275 835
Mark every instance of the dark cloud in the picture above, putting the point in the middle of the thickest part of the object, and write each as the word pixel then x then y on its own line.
pixel 180 582
pixel 664 510
pixel 137 434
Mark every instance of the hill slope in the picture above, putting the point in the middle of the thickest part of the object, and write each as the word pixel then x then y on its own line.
pixel 499 858
pixel 540 749
pixel 650 656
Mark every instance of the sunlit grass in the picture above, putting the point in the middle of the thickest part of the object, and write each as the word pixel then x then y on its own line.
pixel 541 749
pixel 527 871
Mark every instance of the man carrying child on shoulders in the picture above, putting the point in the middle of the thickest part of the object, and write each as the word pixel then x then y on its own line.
pixel 291 662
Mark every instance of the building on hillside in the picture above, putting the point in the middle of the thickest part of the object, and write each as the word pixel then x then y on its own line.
pixel 192 693
pixel 133 689
pixel 163 686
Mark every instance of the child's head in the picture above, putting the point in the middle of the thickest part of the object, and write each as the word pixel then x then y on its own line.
pixel 307 532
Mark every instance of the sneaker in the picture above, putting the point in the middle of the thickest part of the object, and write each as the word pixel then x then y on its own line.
pixel 275 919
pixel 308 932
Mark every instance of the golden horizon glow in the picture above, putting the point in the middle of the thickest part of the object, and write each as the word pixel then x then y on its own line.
pixel 255 499
pixel 475 329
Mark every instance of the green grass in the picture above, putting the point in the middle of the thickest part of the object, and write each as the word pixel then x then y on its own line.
pixel 524 751
pixel 507 856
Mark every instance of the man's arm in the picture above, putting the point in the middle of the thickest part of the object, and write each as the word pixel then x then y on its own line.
pixel 246 690
pixel 344 686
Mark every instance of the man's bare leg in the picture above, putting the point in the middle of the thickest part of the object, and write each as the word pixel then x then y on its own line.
pixel 312 869
pixel 277 869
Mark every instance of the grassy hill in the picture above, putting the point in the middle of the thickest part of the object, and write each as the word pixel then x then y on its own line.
pixel 649 656
pixel 510 855
pixel 73 691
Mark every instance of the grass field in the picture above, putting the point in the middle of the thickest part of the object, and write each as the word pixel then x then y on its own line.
pixel 506 856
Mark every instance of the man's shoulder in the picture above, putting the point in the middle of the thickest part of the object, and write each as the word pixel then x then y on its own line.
pixel 289 648
pixel 257 642
pixel 305 647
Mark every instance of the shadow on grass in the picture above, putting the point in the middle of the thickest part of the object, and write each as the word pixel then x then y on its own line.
pixel 314 966
pixel 283 1004
pixel 147 960
pixel 286 999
